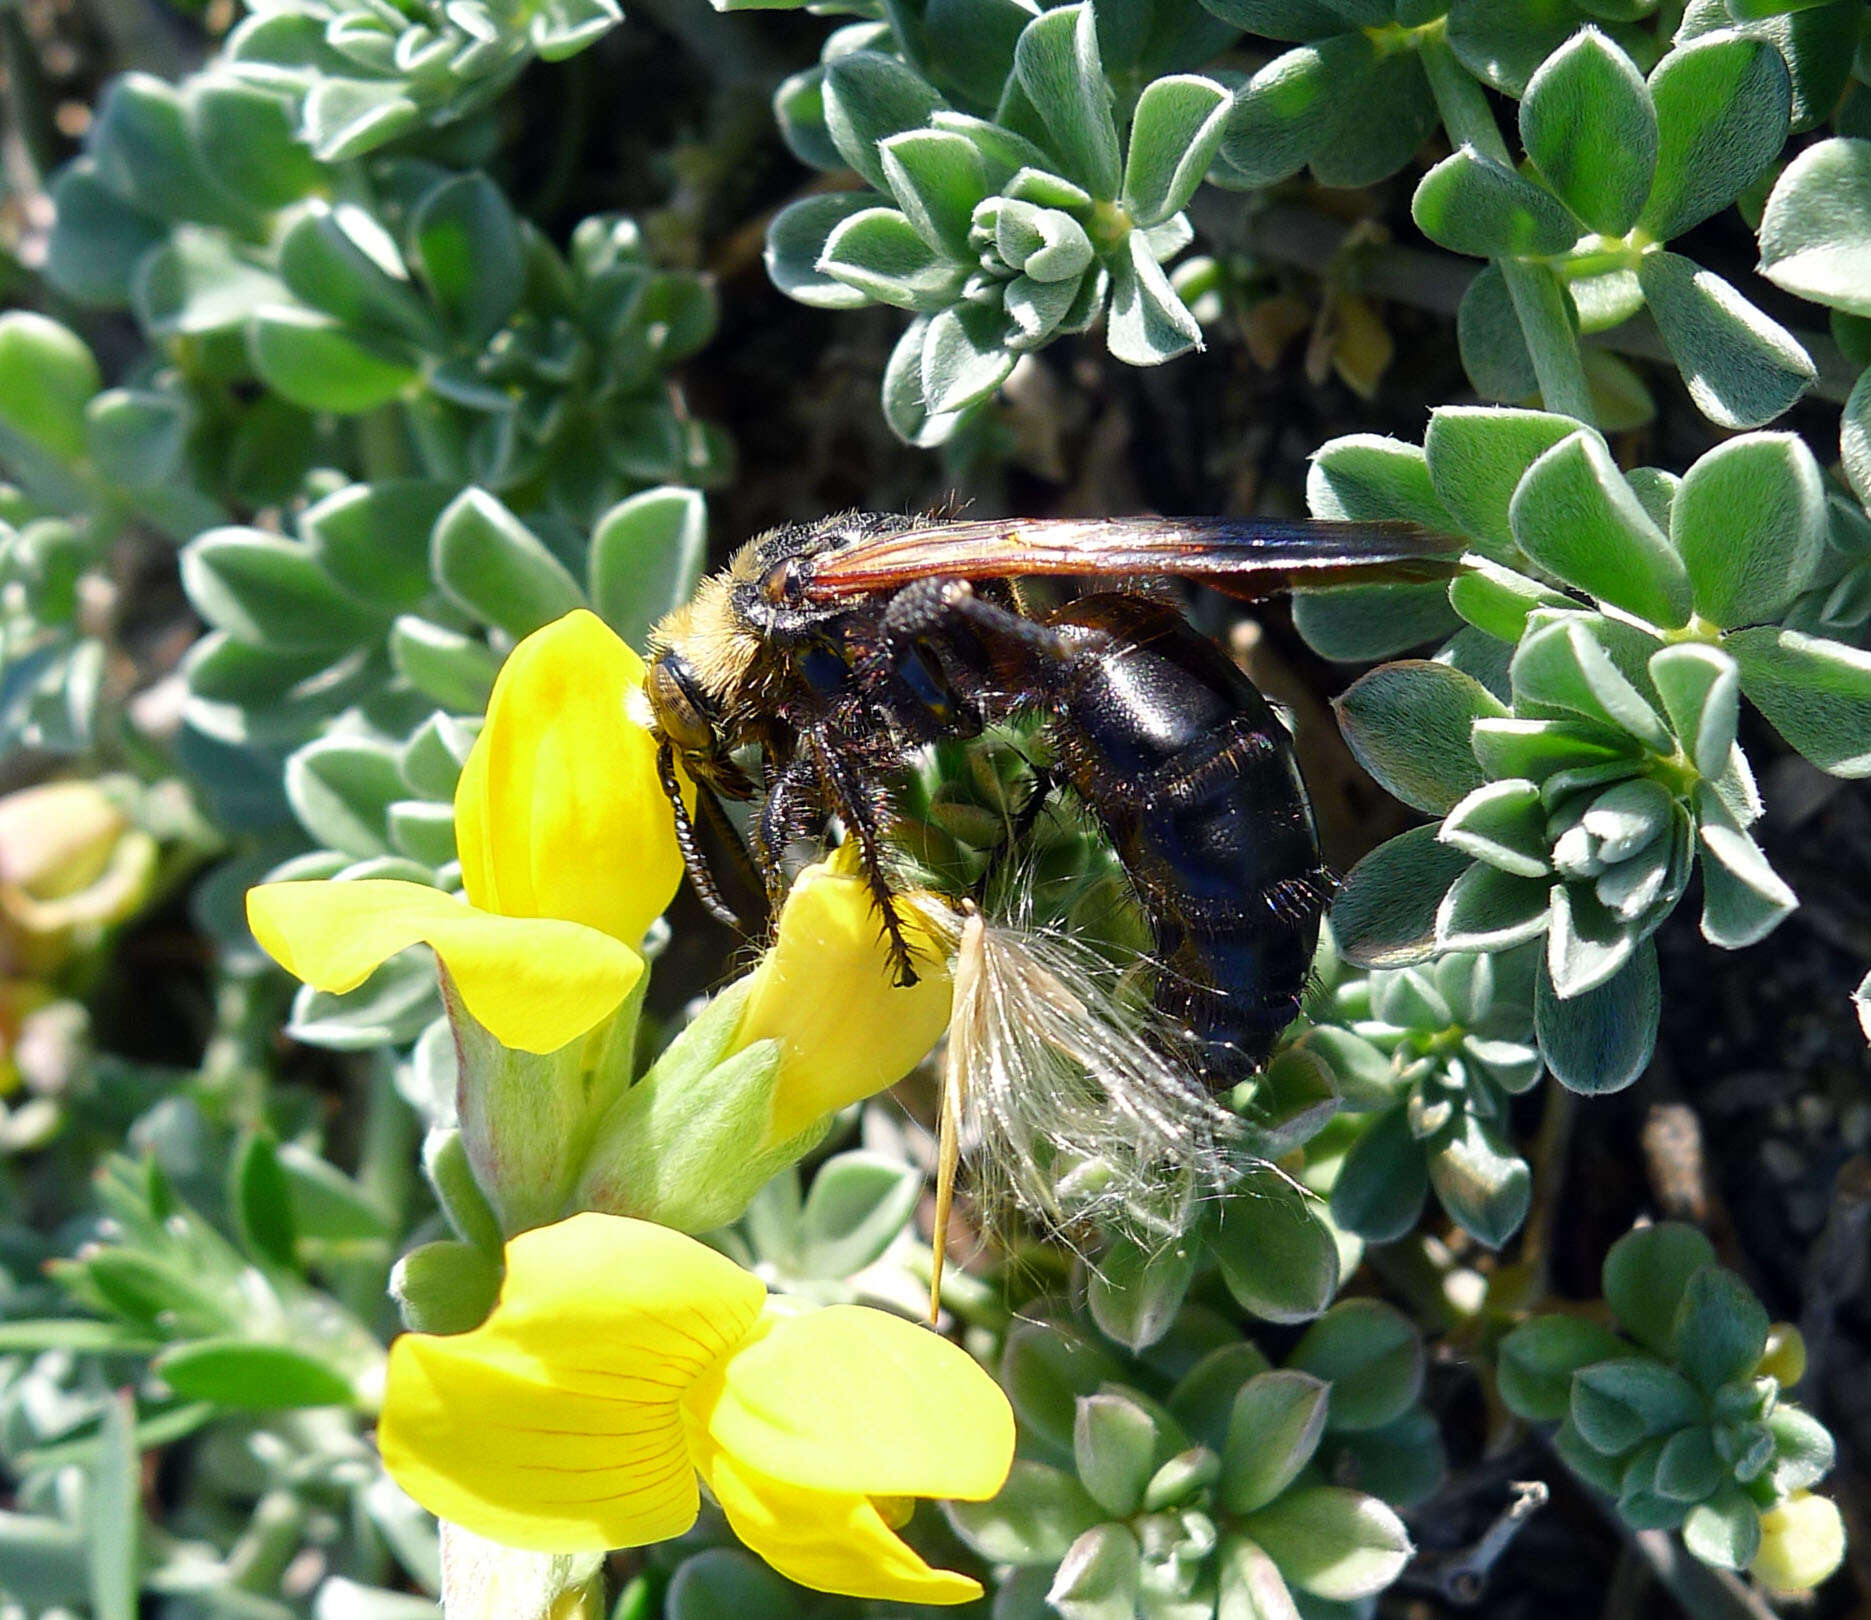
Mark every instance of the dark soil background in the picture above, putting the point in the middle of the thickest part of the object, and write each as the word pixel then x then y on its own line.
pixel 1755 1119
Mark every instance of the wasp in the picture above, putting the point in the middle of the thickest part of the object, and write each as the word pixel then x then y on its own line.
pixel 835 649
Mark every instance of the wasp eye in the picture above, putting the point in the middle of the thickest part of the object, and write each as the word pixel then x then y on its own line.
pixel 676 702
pixel 781 583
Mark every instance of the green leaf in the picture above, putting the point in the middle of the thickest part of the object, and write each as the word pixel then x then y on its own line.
pixel 1385 912
pixel 1098 1577
pixel 1174 133
pixel 345 118
pixel 1504 824
pixel 1334 1543
pixel 47 377
pixel 249 129
pixel 1276 120
pixel 1276 1255
pixel 1646 1274
pixel 1473 204
pixel 140 144
pixel 796 242
pixel 1700 687
pixel 1134 1292
pixel 1034 1519
pixel 341 789
pixel 315 362
pixel 1364 475
pixel 200 282
pixel 248 1376
pixel 1058 66
pixel 1493 347
pixel 1743 898
pixel 490 563
pixel 857 1205
pixel 1741 367
pixel 1688 1468
pixel 1370 1355
pixel 1498 601
pixel 1249 1585
pixel 1477 455
pixel 445 1287
pixel 1044 1370
pixel 272 594
pixel 1855 437
pixel 1817 694
pixel 1114 1444
pixel 868 98
pixel 1489 909
pixel 647 555
pixel 1725 1530
pixel 97 239
pixel 373 539
pixel 1501 42
pixel 1722 106
pixel 1574 514
pixel 261 1202
pixel 1816 230
pixel 1536 1361
pixel 1720 1330
pixel 1817 43
pixel 1273 1430
pixel 1379 112
pixel 138 438
pixel 1804 1450
pixel 1409 722
pixel 1562 665
pixel 1362 622
pixel 1619 1403
pixel 342 262
pixel 1383 1180
pixel 963 359
pixel 1483 1184
pixel 448 667
pixel 1587 123
pixel 465 241
pixel 1601 1039
pixel 114 1514
pixel 880 253
pixel 1148 323
pixel 721 1582
pixel 937 177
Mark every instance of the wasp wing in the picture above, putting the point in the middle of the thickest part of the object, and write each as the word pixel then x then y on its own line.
pixel 1245 557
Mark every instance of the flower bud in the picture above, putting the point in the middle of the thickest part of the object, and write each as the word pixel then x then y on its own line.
pixel 69 859
pixel 1802 1542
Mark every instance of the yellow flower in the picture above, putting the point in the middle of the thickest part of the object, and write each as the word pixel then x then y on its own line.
pixel 624 1360
pixel 824 993
pixel 568 854
pixel 1802 1542
pixel 70 860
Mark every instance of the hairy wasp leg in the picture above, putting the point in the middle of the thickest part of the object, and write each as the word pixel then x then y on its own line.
pixel 781 817
pixel 718 822
pixel 689 845
pixel 863 814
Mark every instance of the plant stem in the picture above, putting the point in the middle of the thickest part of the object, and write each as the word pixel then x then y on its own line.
pixel 1539 300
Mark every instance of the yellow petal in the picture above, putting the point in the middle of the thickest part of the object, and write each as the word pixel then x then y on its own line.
pixel 829 1541
pixel 1802 1543
pixel 825 993
pixel 849 1399
pixel 557 1425
pixel 534 984
pixel 558 811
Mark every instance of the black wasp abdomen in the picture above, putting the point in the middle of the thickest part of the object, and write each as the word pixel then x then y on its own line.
pixel 1193 777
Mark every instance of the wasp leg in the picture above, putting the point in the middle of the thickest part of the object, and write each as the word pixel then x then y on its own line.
pixel 921 609
pixel 692 858
pixel 782 817
pixel 865 817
